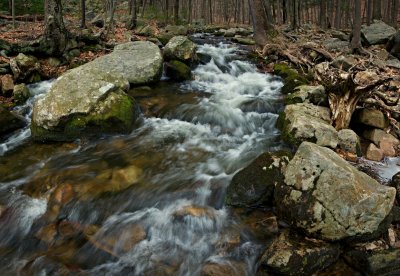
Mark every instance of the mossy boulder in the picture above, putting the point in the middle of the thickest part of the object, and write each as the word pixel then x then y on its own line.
pixel 84 102
pixel 292 254
pixel 308 94
pixel 178 71
pixel 329 199
pixel 291 77
pixel 21 93
pixel 307 122
pixel 254 185
pixel 180 48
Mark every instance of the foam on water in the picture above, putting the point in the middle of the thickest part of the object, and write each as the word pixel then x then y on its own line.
pixel 17 138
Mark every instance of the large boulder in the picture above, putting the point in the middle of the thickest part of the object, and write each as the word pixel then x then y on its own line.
pixel 9 121
pixel 180 48
pixel 307 122
pixel 371 117
pixel 329 199
pixel 292 254
pixel 291 77
pixel 139 62
pixel 377 33
pixel 393 45
pixel 84 101
pixel 255 184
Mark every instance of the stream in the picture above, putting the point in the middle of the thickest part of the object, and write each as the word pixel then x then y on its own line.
pixel 147 203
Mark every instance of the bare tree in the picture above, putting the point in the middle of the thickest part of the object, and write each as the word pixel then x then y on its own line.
pixel 356 40
pixel 260 22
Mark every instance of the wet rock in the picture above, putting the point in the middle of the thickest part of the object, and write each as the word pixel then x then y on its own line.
pixel 180 48
pixel 308 94
pixel 263 225
pixel 178 71
pixel 349 141
pixel 231 268
pixel 9 122
pixel 307 122
pixel 194 211
pixel 376 33
pixel 340 268
pixel 372 117
pixel 21 93
pixel 292 254
pixel 291 77
pixel 6 84
pixel 254 185
pixel 344 62
pixel 230 32
pixel 84 101
pixel 118 241
pixel 375 261
pixel 329 199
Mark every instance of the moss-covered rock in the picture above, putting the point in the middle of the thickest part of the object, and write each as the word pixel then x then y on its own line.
pixel 180 48
pixel 178 71
pixel 255 184
pixel 83 102
pixel 308 94
pixel 307 122
pixel 292 254
pixel 291 77
pixel 21 93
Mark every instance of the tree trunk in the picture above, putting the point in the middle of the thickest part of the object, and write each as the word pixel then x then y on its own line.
pixel 56 35
pixel 395 10
pixel 260 23
pixel 13 12
pixel 83 14
pixel 356 40
pixel 338 14
pixel 176 12
pixel 133 21
pixel 377 13
pixel 322 15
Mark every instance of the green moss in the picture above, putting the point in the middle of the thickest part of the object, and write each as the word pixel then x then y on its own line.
pixel 116 117
pixel 291 77
pixel 177 70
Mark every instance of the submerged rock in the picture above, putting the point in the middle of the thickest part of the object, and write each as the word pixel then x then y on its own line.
pixel 307 122
pixel 224 268
pixel 329 199
pixel 292 254
pixel 180 48
pixel 255 184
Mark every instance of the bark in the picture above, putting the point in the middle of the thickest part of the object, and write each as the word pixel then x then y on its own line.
pixel 338 14
pixel 322 15
pixel 176 12
pixel 133 21
pixel 395 10
pixel 260 23
pixel 13 12
pixel 356 40
pixel 83 13
pixel 377 13
pixel 369 12
pixel 56 35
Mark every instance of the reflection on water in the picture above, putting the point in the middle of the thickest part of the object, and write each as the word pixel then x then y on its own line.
pixel 150 202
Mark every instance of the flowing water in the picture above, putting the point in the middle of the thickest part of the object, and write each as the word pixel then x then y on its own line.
pixel 147 203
